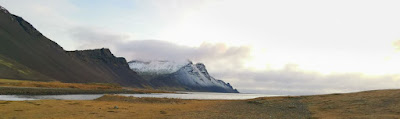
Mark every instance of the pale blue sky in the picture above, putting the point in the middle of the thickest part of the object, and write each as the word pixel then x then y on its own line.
pixel 122 15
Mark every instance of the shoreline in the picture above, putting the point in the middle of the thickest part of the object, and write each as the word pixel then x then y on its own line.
pixel 367 104
pixel 23 87
pixel 60 91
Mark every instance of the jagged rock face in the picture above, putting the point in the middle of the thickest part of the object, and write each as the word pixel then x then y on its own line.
pixel 117 68
pixel 202 69
pixel 184 76
pixel 4 10
pixel 26 54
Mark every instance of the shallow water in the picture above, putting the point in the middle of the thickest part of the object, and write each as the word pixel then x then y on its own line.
pixel 50 97
pixel 183 95
pixel 202 95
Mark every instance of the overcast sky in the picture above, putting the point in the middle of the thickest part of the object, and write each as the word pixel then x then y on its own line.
pixel 286 47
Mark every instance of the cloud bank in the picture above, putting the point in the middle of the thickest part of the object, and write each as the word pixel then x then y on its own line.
pixel 294 81
pixel 216 55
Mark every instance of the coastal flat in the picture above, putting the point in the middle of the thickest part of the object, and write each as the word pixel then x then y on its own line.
pixel 369 104
pixel 21 87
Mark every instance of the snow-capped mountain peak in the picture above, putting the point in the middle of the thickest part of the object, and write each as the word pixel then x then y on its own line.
pixel 181 74
pixel 157 66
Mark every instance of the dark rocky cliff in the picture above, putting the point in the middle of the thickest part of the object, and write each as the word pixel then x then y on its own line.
pixel 26 54
pixel 104 61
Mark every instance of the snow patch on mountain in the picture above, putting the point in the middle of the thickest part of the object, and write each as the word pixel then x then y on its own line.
pixel 197 75
pixel 157 67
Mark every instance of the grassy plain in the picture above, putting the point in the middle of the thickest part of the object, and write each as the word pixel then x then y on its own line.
pixel 370 104
pixel 21 87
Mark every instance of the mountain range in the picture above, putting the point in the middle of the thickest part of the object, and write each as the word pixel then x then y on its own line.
pixel 26 54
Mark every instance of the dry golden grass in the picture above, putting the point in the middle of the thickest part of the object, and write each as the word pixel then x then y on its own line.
pixel 384 104
pixel 379 104
pixel 119 107
pixel 11 87
pixel 139 99
pixel 55 84
pixel 97 109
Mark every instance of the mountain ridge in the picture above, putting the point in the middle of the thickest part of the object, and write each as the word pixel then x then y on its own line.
pixel 26 54
pixel 104 61
pixel 24 45
pixel 184 76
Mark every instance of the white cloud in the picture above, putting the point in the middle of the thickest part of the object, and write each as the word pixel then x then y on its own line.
pixel 292 81
pixel 218 56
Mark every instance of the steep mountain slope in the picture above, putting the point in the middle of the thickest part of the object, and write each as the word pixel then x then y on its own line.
pixel 179 76
pixel 35 57
pixel 102 60
pixel 9 69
